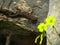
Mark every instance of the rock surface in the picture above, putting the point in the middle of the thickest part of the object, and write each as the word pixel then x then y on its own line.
pixel 54 10
pixel 39 8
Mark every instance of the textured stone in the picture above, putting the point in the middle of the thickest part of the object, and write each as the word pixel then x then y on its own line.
pixel 53 35
pixel 39 8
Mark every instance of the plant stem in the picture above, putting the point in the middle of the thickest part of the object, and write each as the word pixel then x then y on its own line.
pixel 8 39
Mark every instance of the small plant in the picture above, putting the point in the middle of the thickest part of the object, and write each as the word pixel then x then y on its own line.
pixel 42 27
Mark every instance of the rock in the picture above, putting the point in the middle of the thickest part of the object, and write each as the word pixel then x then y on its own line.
pixel 29 29
pixel 53 35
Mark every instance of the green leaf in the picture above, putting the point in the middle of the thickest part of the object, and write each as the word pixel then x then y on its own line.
pixel 41 39
pixel 37 38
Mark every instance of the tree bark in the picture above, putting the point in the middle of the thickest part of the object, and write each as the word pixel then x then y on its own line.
pixel 53 35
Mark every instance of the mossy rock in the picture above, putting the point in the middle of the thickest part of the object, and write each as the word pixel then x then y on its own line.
pixel 9 27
